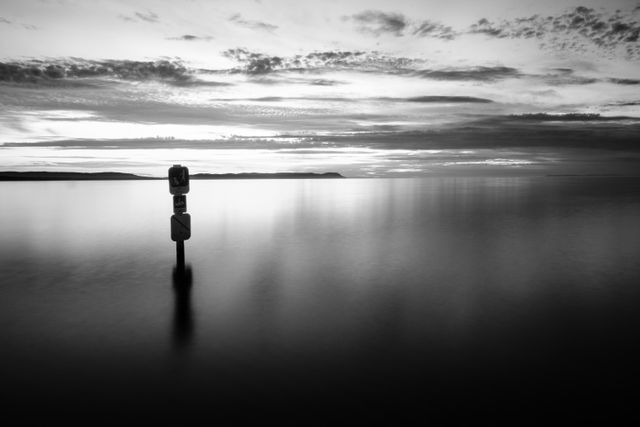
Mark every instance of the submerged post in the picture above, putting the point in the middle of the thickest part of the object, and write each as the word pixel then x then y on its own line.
pixel 180 220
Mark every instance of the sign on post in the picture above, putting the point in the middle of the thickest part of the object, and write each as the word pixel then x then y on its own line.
pixel 178 179
pixel 180 227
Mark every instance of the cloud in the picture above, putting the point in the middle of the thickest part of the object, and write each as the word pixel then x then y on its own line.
pixel 471 73
pixel 378 22
pixel 449 99
pixel 148 16
pixel 289 80
pixel 567 117
pixel 624 104
pixel 434 29
pixel 484 26
pixel 10 22
pixel 580 30
pixel 258 63
pixel 193 82
pixel 565 76
pixel 190 38
pixel 36 71
pixel 628 82
pixel 255 63
pixel 325 82
pixel 418 99
pixel 254 25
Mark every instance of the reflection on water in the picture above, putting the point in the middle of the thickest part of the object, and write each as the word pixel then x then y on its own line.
pixel 369 295
pixel 182 313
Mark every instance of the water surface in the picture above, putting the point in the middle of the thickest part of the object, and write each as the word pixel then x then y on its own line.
pixel 385 297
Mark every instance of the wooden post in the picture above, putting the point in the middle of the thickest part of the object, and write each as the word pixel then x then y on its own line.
pixel 180 255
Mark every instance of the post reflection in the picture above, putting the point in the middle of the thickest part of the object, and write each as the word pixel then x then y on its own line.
pixel 182 312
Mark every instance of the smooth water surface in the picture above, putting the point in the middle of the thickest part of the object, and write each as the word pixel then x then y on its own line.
pixel 382 296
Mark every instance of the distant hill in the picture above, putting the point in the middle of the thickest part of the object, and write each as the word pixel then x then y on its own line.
pixel 69 176
pixel 119 176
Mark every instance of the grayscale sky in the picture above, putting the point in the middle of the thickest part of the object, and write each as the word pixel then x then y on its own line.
pixel 365 88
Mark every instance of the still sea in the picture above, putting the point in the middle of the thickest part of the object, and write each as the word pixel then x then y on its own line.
pixel 379 298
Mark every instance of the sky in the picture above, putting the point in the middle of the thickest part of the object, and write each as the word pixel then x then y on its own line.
pixel 364 88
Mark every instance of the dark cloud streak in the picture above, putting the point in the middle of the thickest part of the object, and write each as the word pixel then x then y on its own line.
pixel 147 16
pixel 567 117
pixel 486 74
pixel 626 82
pixel 251 24
pixel 191 38
pixel 377 22
pixel 436 30
pixel 10 22
pixel 417 99
pixel 449 99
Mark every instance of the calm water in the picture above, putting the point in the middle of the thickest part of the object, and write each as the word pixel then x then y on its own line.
pixel 398 297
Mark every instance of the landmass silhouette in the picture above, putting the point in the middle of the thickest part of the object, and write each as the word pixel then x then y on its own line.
pixel 115 176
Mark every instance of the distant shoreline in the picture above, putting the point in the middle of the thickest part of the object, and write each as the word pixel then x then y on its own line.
pixel 119 176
